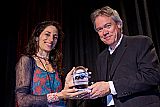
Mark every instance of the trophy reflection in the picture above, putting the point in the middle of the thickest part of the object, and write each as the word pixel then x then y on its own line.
pixel 81 78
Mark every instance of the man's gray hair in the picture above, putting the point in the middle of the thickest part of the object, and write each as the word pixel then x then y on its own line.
pixel 106 11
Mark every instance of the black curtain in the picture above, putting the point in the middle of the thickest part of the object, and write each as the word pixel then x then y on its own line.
pixel 81 43
pixel 19 18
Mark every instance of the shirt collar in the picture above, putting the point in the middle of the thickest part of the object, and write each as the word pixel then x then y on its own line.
pixel 112 50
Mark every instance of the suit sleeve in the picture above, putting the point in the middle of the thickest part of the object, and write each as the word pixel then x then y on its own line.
pixel 147 76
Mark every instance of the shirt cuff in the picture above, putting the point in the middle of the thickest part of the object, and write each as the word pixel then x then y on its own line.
pixel 112 88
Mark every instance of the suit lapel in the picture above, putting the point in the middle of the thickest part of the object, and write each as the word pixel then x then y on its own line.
pixel 104 67
pixel 118 57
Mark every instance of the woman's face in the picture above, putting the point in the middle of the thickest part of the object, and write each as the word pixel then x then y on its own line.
pixel 107 29
pixel 48 38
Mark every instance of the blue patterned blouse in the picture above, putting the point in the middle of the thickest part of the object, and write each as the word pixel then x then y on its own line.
pixel 46 82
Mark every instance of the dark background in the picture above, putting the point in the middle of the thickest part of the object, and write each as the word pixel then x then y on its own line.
pixel 81 43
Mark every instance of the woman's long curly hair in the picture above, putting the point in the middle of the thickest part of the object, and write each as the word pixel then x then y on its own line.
pixel 32 47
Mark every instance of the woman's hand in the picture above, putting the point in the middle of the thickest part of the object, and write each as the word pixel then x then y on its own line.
pixel 69 79
pixel 72 94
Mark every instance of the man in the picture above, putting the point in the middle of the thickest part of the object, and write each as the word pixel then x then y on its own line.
pixel 128 70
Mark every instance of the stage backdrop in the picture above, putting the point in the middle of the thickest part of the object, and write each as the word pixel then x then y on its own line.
pixel 81 43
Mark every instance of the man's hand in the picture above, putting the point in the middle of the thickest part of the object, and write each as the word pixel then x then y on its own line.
pixel 99 89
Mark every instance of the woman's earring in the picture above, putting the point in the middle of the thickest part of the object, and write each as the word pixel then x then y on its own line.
pixel 54 43
pixel 36 39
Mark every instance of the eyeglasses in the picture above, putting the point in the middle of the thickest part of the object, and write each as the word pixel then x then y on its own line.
pixel 106 26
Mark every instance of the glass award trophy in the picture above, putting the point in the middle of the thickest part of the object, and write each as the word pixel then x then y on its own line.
pixel 81 78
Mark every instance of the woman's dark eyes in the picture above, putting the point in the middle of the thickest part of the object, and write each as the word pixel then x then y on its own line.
pixel 55 36
pixel 47 34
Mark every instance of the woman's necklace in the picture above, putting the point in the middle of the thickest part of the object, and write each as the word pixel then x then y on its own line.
pixel 42 56
pixel 44 65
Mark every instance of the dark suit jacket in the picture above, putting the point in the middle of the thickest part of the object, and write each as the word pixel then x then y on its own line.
pixel 135 73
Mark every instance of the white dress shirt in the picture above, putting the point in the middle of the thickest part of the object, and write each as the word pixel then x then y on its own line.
pixel 110 100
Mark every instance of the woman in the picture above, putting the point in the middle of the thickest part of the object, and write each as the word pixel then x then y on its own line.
pixel 37 72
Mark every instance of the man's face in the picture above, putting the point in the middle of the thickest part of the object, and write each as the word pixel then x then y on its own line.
pixel 108 30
